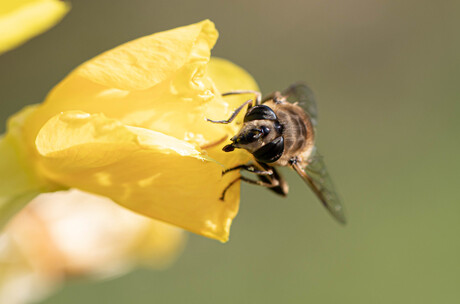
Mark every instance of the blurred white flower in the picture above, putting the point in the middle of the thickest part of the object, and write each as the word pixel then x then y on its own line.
pixel 73 233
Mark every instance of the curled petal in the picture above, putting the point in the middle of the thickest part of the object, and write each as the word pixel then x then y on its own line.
pixel 141 81
pixel 143 170
pixel 142 63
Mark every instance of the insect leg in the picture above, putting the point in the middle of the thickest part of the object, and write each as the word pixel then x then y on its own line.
pixel 249 168
pixel 282 188
pixel 250 181
pixel 233 116
pixel 256 93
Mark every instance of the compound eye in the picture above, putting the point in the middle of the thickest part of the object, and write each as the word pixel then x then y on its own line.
pixel 260 112
pixel 270 152
pixel 252 136
pixel 265 130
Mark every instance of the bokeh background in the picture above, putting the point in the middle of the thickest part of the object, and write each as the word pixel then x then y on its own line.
pixel 386 75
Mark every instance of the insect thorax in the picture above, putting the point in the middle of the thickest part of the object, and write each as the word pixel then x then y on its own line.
pixel 297 131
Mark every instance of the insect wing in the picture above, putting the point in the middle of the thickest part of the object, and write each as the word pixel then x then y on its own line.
pixel 316 176
pixel 302 94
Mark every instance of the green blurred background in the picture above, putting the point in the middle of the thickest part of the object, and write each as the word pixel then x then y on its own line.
pixel 386 75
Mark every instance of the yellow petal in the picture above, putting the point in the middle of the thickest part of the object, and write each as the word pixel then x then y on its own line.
pixel 19 181
pixel 142 63
pixel 20 20
pixel 140 82
pixel 227 77
pixel 143 170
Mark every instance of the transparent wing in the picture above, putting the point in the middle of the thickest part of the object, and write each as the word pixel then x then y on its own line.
pixel 302 94
pixel 316 176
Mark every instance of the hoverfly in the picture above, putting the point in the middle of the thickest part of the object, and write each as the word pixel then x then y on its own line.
pixel 280 130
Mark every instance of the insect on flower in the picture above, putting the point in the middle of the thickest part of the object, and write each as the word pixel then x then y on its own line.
pixel 279 130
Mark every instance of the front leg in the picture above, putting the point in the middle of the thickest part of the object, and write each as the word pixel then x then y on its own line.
pixel 249 168
pixel 257 94
pixel 235 113
pixel 268 177
pixel 282 187
pixel 274 183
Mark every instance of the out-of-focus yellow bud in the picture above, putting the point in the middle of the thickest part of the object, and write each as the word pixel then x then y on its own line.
pixel 21 20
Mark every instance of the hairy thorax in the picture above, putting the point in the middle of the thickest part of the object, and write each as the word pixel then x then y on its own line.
pixel 298 132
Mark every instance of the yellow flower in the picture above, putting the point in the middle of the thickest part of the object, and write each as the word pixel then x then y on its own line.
pixel 130 125
pixel 20 20
pixel 76 234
